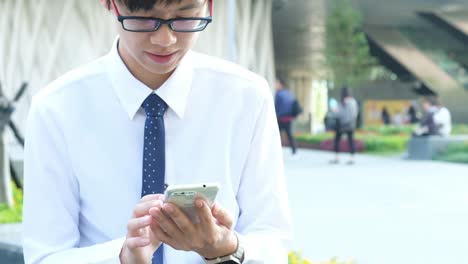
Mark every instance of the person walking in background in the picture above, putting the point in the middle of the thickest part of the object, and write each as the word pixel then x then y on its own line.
pixel 284 104
pixel 347 115
pixel 386 116
pixel 331 115
pixel 412 114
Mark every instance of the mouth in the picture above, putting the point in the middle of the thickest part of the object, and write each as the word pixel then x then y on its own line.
pixel 161 58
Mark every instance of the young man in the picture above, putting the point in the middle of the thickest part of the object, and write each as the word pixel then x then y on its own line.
pixel 104 140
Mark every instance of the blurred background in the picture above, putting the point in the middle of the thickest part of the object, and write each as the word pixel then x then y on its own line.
pixel 389 53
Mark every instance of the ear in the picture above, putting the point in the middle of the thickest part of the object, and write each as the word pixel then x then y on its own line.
pixel 104 4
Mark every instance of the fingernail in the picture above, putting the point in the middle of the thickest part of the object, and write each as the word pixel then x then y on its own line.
pixel 199 203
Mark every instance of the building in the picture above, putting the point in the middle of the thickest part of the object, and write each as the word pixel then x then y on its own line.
pixel 424 42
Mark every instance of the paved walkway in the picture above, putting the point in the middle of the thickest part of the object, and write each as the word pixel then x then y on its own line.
pixel 380 210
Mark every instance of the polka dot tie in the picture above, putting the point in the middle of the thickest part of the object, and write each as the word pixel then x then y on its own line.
pixel 154 153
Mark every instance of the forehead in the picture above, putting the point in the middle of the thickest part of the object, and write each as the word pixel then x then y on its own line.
pixel 153 5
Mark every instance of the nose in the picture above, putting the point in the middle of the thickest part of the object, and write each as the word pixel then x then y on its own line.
pixel 163 37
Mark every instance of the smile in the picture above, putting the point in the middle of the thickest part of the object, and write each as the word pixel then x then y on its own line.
pixel 161 58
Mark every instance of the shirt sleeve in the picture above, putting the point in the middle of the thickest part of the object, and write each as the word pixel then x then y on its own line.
pixel 51 199
pixel 264 224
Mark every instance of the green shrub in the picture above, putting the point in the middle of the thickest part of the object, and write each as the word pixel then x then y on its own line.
pixel 14 214
pixel 384 144
pixel 460 129
pixel 393 142
pixel 296 258
pixel 314 139
pixel 388 130
pixel 454 153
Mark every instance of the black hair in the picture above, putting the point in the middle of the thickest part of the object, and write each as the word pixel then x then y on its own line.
pixel 281 80
pixel 432 100
pixel 145 5
pixel 345 92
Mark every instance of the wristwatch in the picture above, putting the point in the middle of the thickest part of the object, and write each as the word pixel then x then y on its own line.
pixel 234 258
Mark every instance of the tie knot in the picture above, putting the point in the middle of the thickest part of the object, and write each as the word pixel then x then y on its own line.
pixel 154 106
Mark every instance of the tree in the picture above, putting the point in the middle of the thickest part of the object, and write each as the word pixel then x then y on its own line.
pixel 347 51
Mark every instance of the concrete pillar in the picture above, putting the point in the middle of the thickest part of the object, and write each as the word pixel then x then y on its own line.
pixel 6 194
pixel 308 78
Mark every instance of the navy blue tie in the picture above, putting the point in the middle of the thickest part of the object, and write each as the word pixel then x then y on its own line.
pixel 154 153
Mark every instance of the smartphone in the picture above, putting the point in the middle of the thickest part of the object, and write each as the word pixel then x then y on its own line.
pixel 184 197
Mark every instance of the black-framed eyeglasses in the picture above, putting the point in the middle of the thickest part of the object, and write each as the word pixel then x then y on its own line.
pixel 150 24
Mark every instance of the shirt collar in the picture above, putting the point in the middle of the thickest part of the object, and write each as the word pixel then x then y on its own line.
pixel 132 92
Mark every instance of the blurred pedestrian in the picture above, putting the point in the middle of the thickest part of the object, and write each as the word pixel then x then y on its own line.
pixel 386 119
pixel 427 126
pixel 286 110
pixel 412 114
pixel 332 115
pixel 347 116
pixel 442 119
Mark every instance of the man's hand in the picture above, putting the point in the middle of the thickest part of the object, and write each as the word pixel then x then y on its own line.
pixel 212 237
pixel 142 241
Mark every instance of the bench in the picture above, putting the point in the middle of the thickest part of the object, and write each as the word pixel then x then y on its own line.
pixel 11 254
pixel 425 148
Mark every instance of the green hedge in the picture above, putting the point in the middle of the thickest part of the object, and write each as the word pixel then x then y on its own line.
pixel 389 130
pixel 454 153
pixel 296 258
pixel 376 144
pixel 314 139
pixel 373 143
pixel 460 129
pixel 14 214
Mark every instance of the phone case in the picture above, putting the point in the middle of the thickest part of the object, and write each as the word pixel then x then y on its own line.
pixel 184 196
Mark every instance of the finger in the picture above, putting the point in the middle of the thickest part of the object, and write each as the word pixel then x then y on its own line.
pixel 151 197
pixel 222 215
pixel 136 242
pixel 136 224
pixel 204 213
pixel 180 219
pixel 165 238
pixel 166 223
pixel 143 208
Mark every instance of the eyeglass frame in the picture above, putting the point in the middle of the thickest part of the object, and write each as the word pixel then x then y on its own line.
pixel 165 21
pixel 161 21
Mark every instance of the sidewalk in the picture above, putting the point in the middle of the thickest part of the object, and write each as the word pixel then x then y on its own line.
pixel 380 210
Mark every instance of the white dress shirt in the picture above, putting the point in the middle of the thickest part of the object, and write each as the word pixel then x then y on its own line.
pixel 84 149
pixel 443 121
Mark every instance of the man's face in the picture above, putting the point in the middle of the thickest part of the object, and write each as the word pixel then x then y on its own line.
pixel 278 85
pixel 426 106
pixel 159 52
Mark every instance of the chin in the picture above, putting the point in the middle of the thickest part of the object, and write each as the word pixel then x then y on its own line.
pixel 161 69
